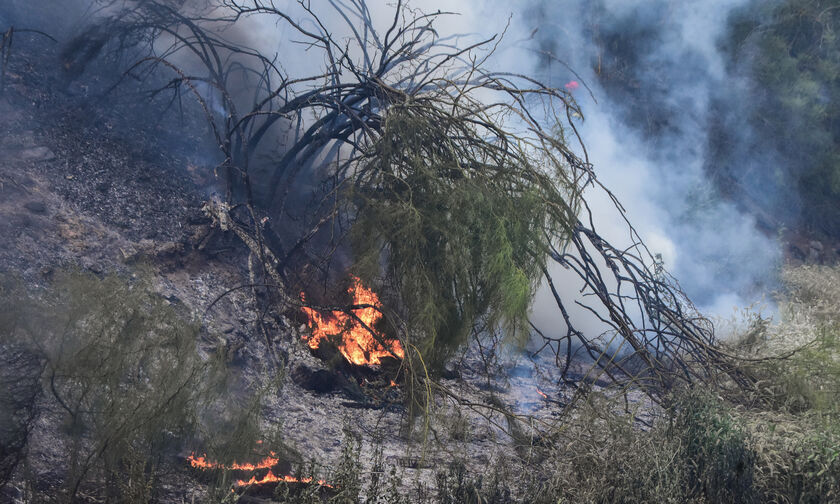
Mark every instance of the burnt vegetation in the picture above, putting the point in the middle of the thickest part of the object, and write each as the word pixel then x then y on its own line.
pixel 396 156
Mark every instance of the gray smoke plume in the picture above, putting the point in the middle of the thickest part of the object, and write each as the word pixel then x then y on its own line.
pixel 646 73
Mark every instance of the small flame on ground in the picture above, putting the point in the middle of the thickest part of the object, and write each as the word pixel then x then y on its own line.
pixel 540 392
pixel 266 463
pixel 271 478
pixel 203 463
pixel 393 383
pixel 357 343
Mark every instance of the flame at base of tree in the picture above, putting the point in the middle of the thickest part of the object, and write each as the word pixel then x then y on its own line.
pixel 356 341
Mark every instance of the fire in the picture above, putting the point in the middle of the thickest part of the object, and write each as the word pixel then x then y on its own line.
pixel 540 392
pixel 271 478
pixel 203 463
pixel 266 463
pixel 357 344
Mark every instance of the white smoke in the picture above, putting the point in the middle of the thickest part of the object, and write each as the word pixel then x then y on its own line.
pixel 714 250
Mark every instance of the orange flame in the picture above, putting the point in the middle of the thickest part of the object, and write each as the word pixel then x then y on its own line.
pixel 540 392
pixel 271 478
pixel 357 343
pixel 200 462
pixel 266 463
pixel 203 463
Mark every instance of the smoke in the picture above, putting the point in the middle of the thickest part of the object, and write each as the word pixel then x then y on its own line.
pixel 654 69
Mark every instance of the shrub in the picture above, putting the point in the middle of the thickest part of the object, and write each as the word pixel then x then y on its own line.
pixel 713 448
pixel 122 369
pixel 19 391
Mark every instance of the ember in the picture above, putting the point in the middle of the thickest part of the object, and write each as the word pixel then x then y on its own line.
pixel 357 343
pixel 540 392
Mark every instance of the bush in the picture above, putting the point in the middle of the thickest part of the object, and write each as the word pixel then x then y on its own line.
pixel 123 371
pixel 713 449
pixel 795 423
pixel 697 452
pixel 19 391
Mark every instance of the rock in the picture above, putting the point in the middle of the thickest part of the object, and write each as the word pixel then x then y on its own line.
pixel 169 248
pixel 37 207
pixel 796 253
pixel 37 154
pixel 145 245
pixel 198 220
pixel 316 380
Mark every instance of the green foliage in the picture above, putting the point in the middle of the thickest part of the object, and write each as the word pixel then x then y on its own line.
pixel 455 486
pixel 123 370
pixel 791 51
pixel 462 222
pixel 347 476
pixel 697 453
pixel 713 451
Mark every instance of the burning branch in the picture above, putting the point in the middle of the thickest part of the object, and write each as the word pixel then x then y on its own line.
pixel 358 341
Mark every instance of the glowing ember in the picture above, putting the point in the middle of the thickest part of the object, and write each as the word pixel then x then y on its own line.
pixel 271 478
pixel 540 392
pixel 572 85
pixel 357 343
